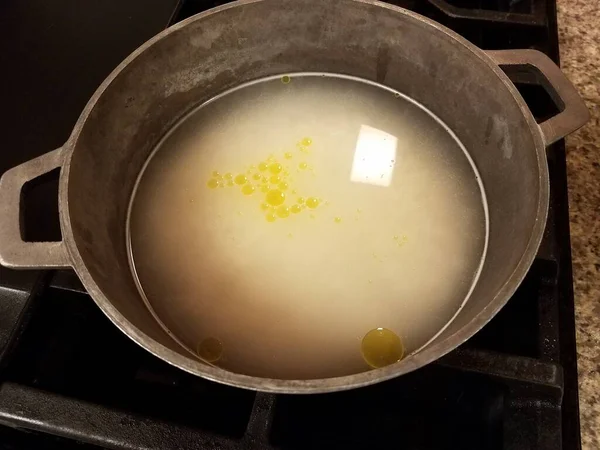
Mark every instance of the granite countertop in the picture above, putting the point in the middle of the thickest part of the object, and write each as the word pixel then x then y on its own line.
pixel 579 34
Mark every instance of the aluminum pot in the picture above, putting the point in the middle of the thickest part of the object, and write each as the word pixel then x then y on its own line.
pixel 241 41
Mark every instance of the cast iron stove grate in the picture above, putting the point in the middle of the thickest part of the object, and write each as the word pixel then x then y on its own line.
pixel 70 380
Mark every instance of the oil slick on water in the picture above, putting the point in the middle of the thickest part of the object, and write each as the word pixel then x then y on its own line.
pixel 306 227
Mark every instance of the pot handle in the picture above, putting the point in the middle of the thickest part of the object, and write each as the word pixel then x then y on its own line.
pixel 15 253
pixel 573 115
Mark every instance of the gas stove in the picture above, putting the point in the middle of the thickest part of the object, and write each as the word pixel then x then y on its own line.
pixel 70 380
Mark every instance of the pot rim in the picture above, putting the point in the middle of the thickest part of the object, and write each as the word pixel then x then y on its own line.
pixel 412 362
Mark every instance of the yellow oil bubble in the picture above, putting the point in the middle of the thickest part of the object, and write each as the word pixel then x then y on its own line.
pixel 256 176
pixel 283 211
pixel 263 166
pixel 296 209
pixel 275 179
pixel 264 188
pixel 228 176
pixel 271 158
pixel 301 200
pixel 337 219
pixel 248 189
pixel 230 183
pixel 306 141
pixel 312 202
pixel 381 347
pixel 286 79
pixel 290 235
pixel 240 179
pixel 275 168
pixel 265 206
pixel 210 349
pixel 283 185
pixel 275 197
pixel 212 183
pixel 216 174
pixel 271 217
pixel 302 166
pixel 294 191
pixel 288 155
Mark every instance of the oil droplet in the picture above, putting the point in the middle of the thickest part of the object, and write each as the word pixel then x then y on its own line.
pixel 283 211
pixel 265 179
pixel 337 220
pixel 210 349
pixel 212 183
pixel 301 200
pixel 296 209
pixel 240 213
pixel 358 210
pixel 275 197
pixel 216 174
pixel 294 191
pixel 264 188
pixel 230 183
pixel 275 168
pixel 263 166
pixel 306 141
pixel 288 155
pixel 312 202
pixel 290 235
pixel 381 347
pixel 271 217
pixel 228 176
pixel 240 179
pixel 265 206
pixel 396 238
pixel 275 179
pixel 248 189
pixel 256 176
pixel 302 166
pixel 283 185
pixel 285 79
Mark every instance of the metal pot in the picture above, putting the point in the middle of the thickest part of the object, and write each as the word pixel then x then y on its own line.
pixel 241 41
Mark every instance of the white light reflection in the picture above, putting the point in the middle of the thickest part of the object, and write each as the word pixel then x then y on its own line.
pixel 374 157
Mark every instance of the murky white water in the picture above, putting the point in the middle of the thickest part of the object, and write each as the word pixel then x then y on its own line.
pixel 395 237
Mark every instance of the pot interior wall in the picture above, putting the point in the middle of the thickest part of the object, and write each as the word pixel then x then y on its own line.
pixel 251 40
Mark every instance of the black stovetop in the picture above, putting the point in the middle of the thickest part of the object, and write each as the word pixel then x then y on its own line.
pixel 70 380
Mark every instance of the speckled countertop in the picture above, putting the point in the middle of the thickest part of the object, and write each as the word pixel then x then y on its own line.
pixel 579 34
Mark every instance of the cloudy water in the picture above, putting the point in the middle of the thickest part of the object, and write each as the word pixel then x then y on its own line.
pixel 307 226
